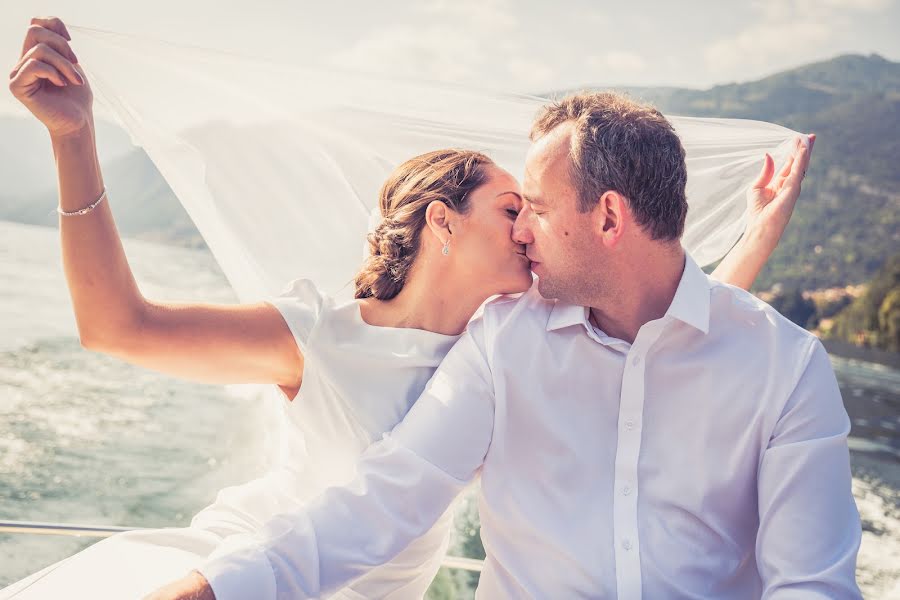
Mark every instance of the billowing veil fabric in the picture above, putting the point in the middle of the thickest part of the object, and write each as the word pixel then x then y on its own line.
pixel 272 159
pixel 279 165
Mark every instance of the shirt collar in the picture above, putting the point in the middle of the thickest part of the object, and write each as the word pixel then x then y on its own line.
pixel 691 302
pixel 689 305
pixel 566 315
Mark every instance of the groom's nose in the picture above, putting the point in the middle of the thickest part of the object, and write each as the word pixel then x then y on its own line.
pixel 521 233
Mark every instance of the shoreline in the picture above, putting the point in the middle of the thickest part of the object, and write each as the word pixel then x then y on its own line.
pixel 854 352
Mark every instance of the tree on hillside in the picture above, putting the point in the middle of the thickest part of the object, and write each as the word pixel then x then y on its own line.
pixel 889 321
pixel 873 319
pixel 795 307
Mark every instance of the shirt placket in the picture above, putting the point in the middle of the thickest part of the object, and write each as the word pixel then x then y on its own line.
pixel 628 447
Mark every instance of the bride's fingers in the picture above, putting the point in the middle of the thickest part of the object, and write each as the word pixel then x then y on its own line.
pixel 32 71
pixel 799 162
pixel 53 24
pixel 37 34
pixel 799 169
pixel 807 156
pixel 786 168
pixel 784 172
pixel 766 175
pixel 46 54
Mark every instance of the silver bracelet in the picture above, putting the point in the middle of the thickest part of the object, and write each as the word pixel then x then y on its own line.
pixel 84 210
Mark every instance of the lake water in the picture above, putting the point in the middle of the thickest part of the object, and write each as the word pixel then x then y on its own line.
pixel 89 439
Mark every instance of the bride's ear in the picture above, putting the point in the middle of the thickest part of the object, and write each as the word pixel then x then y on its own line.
pixel 437 218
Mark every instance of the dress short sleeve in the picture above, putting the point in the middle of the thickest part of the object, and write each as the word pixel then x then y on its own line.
pixel 300 304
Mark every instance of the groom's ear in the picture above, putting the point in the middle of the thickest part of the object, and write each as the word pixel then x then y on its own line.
pixel 611 215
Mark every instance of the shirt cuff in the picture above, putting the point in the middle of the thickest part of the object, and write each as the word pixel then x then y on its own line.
pixel 241 574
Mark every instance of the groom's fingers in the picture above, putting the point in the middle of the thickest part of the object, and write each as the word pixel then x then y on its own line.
pixel 766 175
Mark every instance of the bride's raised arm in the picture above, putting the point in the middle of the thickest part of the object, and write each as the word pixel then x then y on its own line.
pixel 210 343
pixel 770 204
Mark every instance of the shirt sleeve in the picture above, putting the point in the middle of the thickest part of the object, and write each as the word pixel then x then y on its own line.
pixel 809 526
pixel 403 485
pixel 300 304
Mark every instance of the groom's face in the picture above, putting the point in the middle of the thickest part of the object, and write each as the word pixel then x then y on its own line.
pixel 560 240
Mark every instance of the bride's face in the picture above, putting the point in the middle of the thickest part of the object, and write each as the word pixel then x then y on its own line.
pixel 482 242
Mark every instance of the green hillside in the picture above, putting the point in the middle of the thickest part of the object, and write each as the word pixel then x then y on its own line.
pixel 873 319
pixel 846 223
pixel 844 228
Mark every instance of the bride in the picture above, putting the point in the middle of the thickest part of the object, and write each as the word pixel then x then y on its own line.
pixel 347 371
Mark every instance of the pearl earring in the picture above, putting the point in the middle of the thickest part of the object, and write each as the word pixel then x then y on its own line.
pixel 446 249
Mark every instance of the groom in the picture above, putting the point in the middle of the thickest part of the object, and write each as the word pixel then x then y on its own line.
pixel 640 430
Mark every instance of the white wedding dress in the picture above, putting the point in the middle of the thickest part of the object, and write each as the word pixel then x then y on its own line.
pixel 359 380
pixel 279 166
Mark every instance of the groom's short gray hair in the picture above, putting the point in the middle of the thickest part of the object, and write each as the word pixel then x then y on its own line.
pixel 622 145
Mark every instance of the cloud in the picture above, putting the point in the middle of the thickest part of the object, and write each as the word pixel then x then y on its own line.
pixel 616 63
pixel 431 52
pixel 784 32
pixel 445 40
pixel 485 15
pixel 530 74
pixel 774 10
pixel 463 41
pixel 855 5
pixel 760 45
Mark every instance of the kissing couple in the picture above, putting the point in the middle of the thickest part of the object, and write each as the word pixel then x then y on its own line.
pixel 639 428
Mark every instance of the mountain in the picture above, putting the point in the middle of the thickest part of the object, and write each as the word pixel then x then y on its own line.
pixel 848 217
pixel 781 97
pixel 142 203
pixel 26 158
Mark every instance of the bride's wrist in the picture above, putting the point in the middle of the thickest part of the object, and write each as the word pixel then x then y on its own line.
pixel 761 238
pixel 83 132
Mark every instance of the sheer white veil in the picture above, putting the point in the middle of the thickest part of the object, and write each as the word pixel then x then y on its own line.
pixel 279 165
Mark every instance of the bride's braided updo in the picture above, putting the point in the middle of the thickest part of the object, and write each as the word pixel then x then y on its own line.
pixel 443 175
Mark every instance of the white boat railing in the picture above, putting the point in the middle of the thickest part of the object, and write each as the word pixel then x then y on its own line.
pixel 104 531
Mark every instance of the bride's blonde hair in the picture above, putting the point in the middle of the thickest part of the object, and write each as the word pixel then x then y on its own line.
pixel 447 176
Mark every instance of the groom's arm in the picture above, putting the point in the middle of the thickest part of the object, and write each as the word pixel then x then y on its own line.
pixel 809 527
pixel 404 484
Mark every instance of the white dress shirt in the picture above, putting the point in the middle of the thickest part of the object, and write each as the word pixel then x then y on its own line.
pixel 708 459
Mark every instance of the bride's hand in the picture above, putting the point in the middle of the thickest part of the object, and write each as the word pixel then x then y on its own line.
pixel 48 80
pixel 771 199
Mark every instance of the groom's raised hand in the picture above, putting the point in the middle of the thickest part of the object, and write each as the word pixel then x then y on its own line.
pixel 771 198
pixel 191 587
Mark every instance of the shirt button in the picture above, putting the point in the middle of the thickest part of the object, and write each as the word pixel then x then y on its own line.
pixel 629 424
pixel 636 361
pixel 626 490
pixel 626 544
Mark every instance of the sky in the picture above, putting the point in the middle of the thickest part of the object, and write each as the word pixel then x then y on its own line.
pixel 524 46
